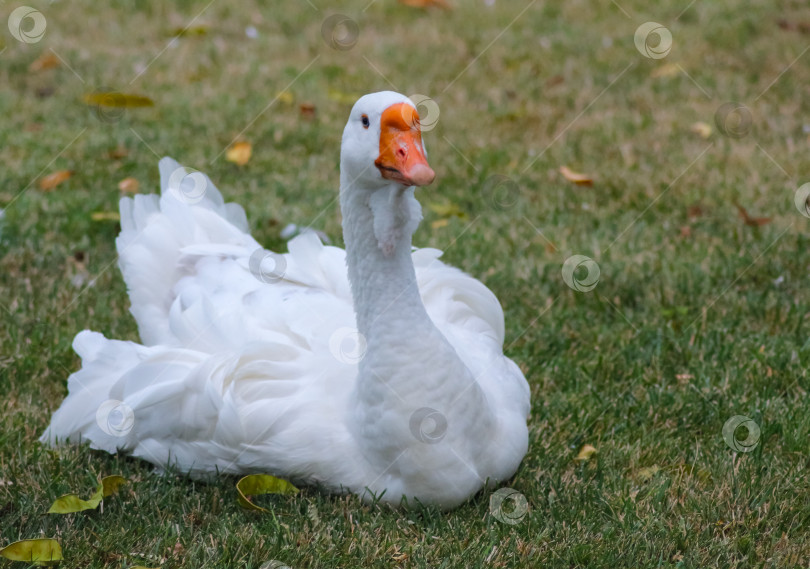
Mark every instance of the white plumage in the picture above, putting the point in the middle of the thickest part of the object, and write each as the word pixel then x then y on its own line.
pixel 260 362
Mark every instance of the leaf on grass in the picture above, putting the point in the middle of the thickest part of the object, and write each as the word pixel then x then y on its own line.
pixel 439 223
pixel 576 177
pixel 702 129
pixel 426 3
pixel 447 210
pixel 47 60
pixel 45 551
pixel 341 97
pixel 239 153
pixel 119 100
pixel 70 503
pixel 307 110
pixel 129 185
pixel 648 472
pixel 52 180
pixel 586 452
pixel 752 221
pixel 105 216
pixel 285 97
pixel 189 31
pixel 666 70
pixel 258 484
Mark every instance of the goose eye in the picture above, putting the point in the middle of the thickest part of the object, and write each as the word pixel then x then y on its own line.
pixel 366 122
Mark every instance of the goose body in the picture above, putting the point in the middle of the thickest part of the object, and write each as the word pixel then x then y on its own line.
pixel 378 370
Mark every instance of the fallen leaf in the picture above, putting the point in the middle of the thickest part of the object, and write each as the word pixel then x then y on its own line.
pixel 666 70
pixel 426 3
pixel 45 551
pixel 105 216
pixel 439 223
pixel 752 221
pixel 47 60
pixel 120 100
pixel 129 185
pixel 285 97
pixel 70 503
pixel 702 129
pixel 447 210
pixel 694 210
pixel 307 110
pixel 686 231
pixel 258 484
pixel 118 152
pixel 576 177
pixel 189 31
pixel 239 153
pixel 52 180
pixel 341 97
pixel 586 452
pixel 648 472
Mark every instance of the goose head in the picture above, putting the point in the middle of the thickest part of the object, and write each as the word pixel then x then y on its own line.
pixel 382 144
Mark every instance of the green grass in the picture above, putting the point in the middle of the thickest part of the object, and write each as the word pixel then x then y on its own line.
pixel 697 316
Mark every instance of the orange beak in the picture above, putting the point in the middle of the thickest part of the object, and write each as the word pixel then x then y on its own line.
pixel 401 155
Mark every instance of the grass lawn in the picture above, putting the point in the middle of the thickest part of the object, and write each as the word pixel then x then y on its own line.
pixel 699 315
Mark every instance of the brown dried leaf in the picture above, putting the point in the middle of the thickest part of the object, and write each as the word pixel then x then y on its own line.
pixel 129 185
pixel 752 221
pixel 47 60
pixel 426 3
pixel 307 110
pixel 52 180
pixel 666 70
pixel 576 177
pixel 239 153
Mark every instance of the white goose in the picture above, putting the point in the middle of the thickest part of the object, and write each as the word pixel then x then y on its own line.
pixel 388 380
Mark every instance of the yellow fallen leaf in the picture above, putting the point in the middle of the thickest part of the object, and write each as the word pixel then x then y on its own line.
pixel 666 70
pixel 129 185
pixel 47 60
pixel 258 484
pixel 341 97
pixel 702 129
pixel 648 472
pixel 586 452
pixel 447 209
pixel 52 180
pixel 70 503
pixel 112 99
pixel 439 223
pixel 105 216
pixel 285 97
pixel 45 551
pixel 239 153
pixel 189 31
pixel 576 177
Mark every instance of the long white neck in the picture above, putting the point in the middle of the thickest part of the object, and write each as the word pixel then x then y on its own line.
pixel 409 365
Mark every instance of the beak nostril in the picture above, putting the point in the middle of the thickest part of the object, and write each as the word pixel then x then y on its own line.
pixel 401 152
